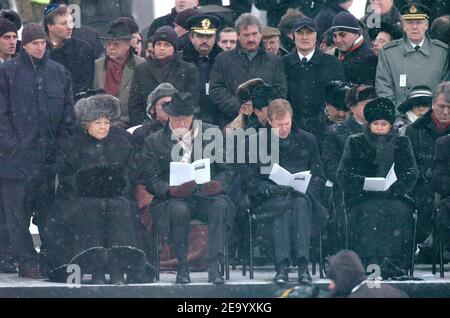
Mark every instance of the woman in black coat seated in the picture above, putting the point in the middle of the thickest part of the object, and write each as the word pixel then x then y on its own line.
pixel 93 222
pixel 381 219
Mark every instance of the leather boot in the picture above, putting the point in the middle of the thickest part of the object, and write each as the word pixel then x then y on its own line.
pixel 30 271
pixel 304 278
pixel 214 274
pixel 183 273
pixel 282 276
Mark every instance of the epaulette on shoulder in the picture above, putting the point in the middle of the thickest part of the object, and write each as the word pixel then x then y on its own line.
pixel 439 43
pixel 392 44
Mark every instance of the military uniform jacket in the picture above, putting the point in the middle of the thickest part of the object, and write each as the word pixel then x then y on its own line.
pixel 428 67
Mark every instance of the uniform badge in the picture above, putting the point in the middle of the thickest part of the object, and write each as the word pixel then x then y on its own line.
pixel 413 9
pixel 206 23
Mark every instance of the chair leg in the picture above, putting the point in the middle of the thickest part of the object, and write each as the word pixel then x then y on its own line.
pixel 441 259
pixel 415 215
pixel 435 249
pixel 320 257
pixel 250 222
pixel 313 271
pixel 157 261
pixel 227 260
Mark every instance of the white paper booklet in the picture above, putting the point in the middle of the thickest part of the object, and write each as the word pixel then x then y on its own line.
pixel 199 170
pixel 380 184
pixel 299 181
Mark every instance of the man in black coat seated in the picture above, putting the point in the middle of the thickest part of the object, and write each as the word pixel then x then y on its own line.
pixel 289 211
pixel 441 184
pixel 423 134
pixel 175 205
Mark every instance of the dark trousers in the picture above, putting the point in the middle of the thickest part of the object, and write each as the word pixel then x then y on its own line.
pixel 291 228
pixel 15 215
pixel 179 212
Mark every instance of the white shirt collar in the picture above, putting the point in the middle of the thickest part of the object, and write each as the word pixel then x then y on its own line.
pixel 308 57
pixel 414 45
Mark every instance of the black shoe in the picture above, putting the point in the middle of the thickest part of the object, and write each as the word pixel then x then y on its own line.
pixel 282 276
pixel 304 278
pixel 214 275
pixel 183 275
pixel 7 267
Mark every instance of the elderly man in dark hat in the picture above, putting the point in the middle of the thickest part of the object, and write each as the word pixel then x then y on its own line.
pixel 35 85
pixel 359 61
pixel 77 56
pixel 8 40
pixel 175 204
pixel 202 51
pixel 114 72
pixel 418 104
pixel 272 42
pixel 136 41
pixel 414 60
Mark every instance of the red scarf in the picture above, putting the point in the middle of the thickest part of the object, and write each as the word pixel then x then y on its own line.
pixel 113 77
pixel 353 48
pixel 440 126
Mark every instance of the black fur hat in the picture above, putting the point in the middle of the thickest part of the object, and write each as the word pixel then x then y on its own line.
pixel 97 106
pixel 380 108
pixel 335 94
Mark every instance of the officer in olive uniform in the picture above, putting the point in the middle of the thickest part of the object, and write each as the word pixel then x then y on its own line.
pixel 416 59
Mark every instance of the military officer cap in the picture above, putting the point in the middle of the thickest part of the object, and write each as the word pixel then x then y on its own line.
pixel 203 24
pixel 415 11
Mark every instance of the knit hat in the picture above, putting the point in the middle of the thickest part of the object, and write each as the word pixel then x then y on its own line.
pixel 420 95
pixel 97 106
pixel 335 94
pixel 346 270
pixel 162 90
pixel 345 21
pixel 380 108
pixel 12 16
pixel 132 25
pixel 6 26
pixel 166 33
pixel 184 15
pixel 31 32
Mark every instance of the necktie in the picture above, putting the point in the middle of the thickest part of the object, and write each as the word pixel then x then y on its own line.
pixel 304 60
pixel 417 48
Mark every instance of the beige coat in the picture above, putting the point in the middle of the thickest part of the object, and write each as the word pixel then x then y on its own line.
pixel 125 84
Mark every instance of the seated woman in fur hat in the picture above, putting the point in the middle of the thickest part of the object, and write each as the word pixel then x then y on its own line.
pixel 94 220
pixel 380 220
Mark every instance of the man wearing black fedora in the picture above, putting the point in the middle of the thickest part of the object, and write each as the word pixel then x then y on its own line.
pixel 174 206
pixel 114 72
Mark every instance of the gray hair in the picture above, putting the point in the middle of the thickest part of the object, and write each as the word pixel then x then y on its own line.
pixel 442 88
pixel 245 20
